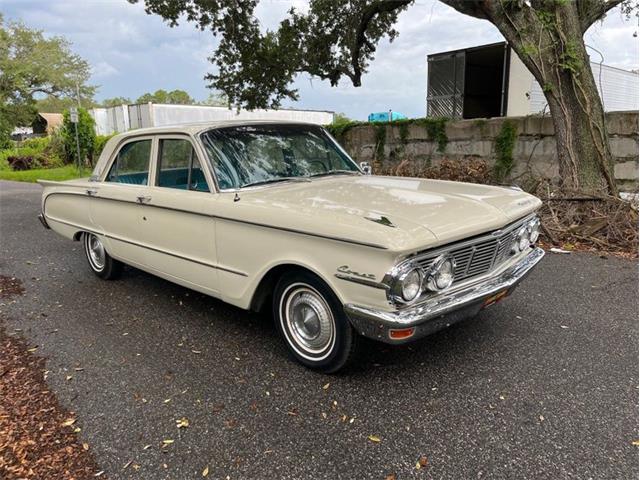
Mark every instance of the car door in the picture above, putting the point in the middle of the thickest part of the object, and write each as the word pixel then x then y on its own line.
pixel 119 200
pixel 177 223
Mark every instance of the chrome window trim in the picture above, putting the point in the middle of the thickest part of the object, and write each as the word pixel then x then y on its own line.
pixel 199 154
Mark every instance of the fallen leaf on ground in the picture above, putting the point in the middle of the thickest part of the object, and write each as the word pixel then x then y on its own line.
pixel 422 462
pixel 168 441
pixel 205 472
pixel 391 476
pixel 196 351
pixel 635 442
pixel 68 422
pixel 182 423
pixel 373 438
pixel 85 446
pixel 326 386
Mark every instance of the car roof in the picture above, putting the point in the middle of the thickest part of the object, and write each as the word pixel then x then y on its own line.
pixel 186 128
pixel 194 128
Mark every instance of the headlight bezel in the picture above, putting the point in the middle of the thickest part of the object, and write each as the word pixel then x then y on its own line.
pixel 398 276
pixel 431 283
pixel 533 230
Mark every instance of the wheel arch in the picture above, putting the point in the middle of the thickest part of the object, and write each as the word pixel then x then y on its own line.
pixel 263 292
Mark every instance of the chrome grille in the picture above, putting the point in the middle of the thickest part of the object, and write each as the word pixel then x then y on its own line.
pixel 474 258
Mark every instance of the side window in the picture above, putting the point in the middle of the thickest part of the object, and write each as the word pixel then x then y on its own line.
pixel 179 167
pixel 132 164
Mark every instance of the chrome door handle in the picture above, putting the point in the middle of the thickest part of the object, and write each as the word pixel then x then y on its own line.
pixel 91 192
pixel 143 199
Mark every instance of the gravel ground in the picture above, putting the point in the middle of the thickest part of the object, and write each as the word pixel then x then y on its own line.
pixel 542 386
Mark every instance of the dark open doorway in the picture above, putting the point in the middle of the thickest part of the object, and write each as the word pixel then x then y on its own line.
pixel 469 83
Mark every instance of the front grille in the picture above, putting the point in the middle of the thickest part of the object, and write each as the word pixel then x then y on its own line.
pixel 474 258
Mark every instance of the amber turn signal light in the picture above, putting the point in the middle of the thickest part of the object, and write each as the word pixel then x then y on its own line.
pixel 402 333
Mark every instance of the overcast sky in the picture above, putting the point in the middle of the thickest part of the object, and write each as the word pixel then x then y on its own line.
pixel 132 53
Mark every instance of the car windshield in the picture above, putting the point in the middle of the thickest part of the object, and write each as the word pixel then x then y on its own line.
pixel 261 154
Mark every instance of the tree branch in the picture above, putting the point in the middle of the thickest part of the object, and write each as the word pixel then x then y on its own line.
pixel 590 11
pixel 474 8
pixel 368 15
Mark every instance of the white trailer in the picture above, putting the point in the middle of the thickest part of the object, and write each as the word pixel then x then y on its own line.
pixel 125 117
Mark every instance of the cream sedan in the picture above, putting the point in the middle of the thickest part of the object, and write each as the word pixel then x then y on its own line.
pixel 276 215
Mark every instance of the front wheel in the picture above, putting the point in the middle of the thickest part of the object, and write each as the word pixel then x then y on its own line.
pixel 101 263
pixel 312 322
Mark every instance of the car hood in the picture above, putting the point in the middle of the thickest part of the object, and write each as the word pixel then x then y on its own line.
pixel 398 213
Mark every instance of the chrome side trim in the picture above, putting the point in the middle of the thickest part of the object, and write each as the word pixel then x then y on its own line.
pixel 147 247
pixel 367 320
pixel 218 217
pixel 362 281
pixel 43 221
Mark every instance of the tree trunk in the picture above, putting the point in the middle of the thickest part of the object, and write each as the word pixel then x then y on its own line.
pixel 550 45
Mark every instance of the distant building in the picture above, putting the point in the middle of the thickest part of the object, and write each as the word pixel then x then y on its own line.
pixel 491 81
pixel 126 117
pixel 46 123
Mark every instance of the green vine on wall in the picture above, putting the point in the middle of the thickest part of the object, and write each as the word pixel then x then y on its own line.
pixel 381 138
pixel 435 129
pixel 504 144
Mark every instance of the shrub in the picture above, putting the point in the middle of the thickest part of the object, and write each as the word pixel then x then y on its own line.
pixel 86 136
pixel 23 162
pixel 99 143
pixel 33 153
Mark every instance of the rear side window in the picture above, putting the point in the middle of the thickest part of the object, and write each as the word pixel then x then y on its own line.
pixel 132 164
pixel 179 167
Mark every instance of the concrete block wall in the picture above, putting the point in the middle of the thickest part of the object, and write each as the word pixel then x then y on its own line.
pixel 535 147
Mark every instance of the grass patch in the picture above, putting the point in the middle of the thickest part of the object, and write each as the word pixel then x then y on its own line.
pixel 67 172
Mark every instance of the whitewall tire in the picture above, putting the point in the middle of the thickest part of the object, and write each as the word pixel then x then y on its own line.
pixel 100 262
pixel 312 322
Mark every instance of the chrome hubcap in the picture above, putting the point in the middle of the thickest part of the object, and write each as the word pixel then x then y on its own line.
pixel 96 252
pixel 309 320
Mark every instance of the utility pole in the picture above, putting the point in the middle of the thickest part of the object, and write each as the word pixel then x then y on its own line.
pixel 74 117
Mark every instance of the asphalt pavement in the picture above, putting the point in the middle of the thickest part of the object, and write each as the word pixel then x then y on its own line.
pixel 543 385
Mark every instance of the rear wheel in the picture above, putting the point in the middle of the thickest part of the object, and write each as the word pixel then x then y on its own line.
pixel 101 263
pixel 312 322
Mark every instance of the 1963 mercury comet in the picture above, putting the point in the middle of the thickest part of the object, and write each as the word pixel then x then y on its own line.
pixel 265 214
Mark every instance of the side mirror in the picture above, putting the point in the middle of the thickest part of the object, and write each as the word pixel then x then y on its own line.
pixel 366 168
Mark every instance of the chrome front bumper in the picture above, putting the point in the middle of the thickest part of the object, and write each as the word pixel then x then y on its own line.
pixel 441 311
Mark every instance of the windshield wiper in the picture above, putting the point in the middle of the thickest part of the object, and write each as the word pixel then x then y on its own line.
pixel 334 172
pixel 276 180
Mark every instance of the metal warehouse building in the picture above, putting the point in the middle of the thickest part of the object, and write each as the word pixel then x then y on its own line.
pixel 491 81
pixel 126 117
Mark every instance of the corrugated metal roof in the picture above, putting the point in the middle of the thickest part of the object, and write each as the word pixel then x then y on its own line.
pixel 54 120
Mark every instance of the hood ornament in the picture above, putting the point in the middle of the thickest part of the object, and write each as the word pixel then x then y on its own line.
pixel 381 219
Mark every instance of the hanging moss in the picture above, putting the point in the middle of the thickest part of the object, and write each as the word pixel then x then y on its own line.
pixel 504 145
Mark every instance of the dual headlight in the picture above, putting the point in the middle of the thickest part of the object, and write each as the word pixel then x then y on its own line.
pixel 412 281
pixel 527 235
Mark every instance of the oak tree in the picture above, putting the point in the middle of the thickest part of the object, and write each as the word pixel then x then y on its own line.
pixel 332 40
